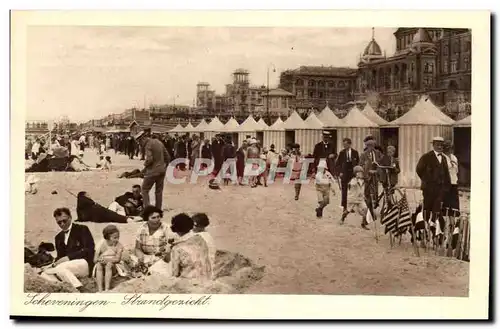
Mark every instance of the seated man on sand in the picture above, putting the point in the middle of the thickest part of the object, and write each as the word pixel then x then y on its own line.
pixel 75 251
pixel 128 204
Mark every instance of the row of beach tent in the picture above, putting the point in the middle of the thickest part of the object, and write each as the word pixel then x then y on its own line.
pixel 416 129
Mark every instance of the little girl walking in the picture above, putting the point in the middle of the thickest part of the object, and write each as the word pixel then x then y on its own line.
pixel 108 258
pixel 356 197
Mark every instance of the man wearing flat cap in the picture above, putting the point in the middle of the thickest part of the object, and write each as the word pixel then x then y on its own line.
pixel 325 150
pixel 368 161
pixel 432 168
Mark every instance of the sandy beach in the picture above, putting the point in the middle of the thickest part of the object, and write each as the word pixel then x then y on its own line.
pixel 301 254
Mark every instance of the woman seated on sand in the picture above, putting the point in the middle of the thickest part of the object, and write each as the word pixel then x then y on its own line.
pixel 90 211
pixel 151 245
pixel 190 255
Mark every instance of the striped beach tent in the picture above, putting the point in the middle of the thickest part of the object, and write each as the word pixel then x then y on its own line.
pixel 213 128
pixel 248 127
pixel 275 134
pixel 308 137
pixel 356 126
pixel 370 113
pixel 416 129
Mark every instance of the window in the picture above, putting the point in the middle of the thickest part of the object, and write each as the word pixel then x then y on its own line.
pixel 341 84
pixel 321 83
pixel 321 95
pixel 445 50
pixel 466 63
pixel 456 47
pixel 331 84
pixel 312 83
pixel 300 93
pixel 311 94
pixel 299 82
pixel 454 66
pixel 428 67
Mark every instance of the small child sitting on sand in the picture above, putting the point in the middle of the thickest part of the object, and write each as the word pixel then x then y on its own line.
pixel 108 258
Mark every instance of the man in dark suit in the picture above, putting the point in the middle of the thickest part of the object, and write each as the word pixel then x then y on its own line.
pixel 348 158
pixel 75 251
pixel 155 167
pixel 325 150
pixel 432 168
pixel 368 160
pixel 217 145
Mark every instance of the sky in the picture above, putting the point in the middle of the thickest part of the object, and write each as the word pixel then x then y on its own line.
pixel 88 72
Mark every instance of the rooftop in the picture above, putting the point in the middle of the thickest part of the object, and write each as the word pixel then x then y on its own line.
pixel 323 70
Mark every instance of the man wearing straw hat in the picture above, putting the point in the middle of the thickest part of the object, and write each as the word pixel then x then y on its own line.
pixel 432 168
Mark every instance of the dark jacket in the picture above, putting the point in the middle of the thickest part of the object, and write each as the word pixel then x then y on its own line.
pixel 342 166
pixel 206 151
pixel 80 245
pixel 322 151
pixel 89 211
pixel 367 163
pixel 157 158
pixel 393 173
pixel 432 173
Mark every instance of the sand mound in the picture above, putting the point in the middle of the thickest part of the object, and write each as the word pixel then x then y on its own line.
pixel 233 274
pixel 35 283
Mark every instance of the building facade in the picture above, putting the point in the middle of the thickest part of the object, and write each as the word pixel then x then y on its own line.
pixel 433 61
pixel 205 97
pixel 316 86
pixel 241 97
pixel 280 102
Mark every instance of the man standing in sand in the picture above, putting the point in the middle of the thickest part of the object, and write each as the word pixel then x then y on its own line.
pixel 155 167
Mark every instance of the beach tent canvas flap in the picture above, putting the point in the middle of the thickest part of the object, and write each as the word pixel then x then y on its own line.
pixel 249 124
pixel 370 113
pixel 294 121
pixel 231 126
pixel 357 119
pixel 177 128
pixel 189 127
pixel 465 122
pixel 424 113
pixel 277 125
pixel 313 122
pixel 263 125
pixel 328 118
pixel 201 126
pixel 215 125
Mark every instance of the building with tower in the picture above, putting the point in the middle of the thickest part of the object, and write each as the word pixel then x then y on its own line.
pixel 433 61
pixel 205 97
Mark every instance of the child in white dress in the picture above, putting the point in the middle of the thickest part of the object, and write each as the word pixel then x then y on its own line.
pixel 356 195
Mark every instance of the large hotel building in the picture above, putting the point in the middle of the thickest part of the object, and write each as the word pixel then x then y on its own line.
pixel 434 61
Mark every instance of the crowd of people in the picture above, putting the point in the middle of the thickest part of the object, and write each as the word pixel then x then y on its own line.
pixel 185 249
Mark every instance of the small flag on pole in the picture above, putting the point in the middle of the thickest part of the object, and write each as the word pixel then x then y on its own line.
pixel 404 217
pixel 369 217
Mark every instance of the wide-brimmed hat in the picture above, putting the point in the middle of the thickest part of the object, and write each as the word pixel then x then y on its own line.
pixel 357 169
pixel 438 139
pixel 252 141
pixel 213 184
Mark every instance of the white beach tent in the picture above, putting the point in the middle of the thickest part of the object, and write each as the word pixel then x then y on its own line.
pixel 416 129
pixel 291 125
pixel 177 129
pixel 370 113
pixel 263 125
pixel 310 136
pixel 248 127
pixel 213 128
pixel 260 131
pixel 275 134
pixel 231 128
pixel 356 126
pixel 189 129
pixel 328 118
pixel 200 128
